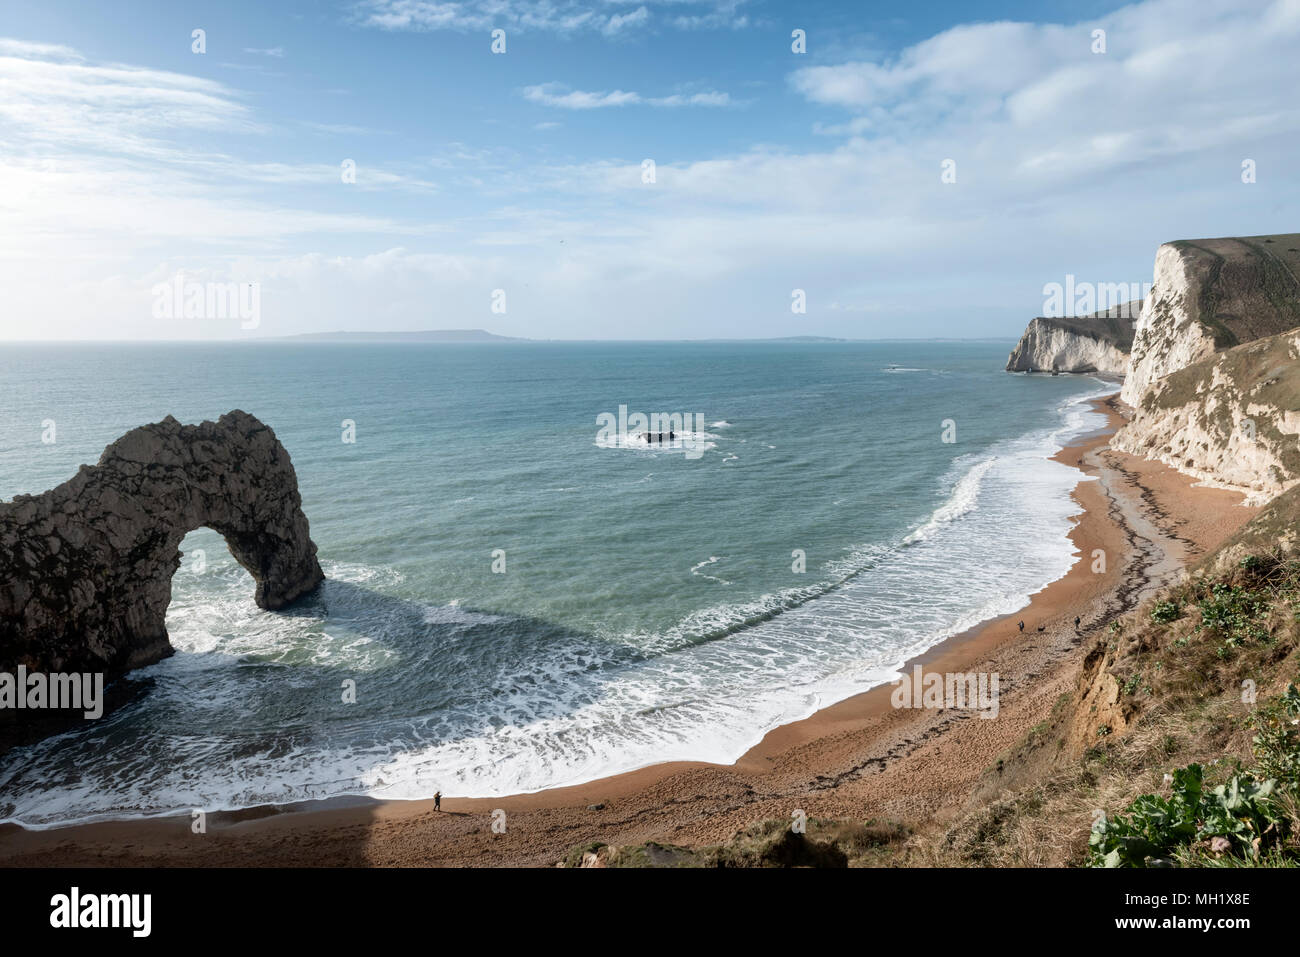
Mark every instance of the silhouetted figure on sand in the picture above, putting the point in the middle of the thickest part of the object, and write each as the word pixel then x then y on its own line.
pixel 437 800
pixel 1020 625
pixel 1077 619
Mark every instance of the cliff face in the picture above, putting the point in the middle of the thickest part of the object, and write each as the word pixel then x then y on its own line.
pixel 1213 377
pixel 1088 344
pixel 1209 295
pixel 88 565
pixel 1231 420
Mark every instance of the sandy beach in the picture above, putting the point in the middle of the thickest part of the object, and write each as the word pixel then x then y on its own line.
pixel 860 758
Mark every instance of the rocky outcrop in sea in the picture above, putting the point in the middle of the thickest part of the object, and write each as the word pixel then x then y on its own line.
pixel 87 566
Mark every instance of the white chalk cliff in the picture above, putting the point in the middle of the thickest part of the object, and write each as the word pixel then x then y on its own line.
pixel 1214 368
pixel 1213 372
pixel 1095 344
pixel 1232 419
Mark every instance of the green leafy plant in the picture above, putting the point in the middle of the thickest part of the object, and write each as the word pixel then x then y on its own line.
pixel 1153 830
pixel 1231 612
pixel 1151 827
pixel 1166 611
pixel 1277 738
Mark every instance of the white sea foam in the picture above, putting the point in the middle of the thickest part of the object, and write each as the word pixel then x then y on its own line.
pixel 686 442
pixel 711 560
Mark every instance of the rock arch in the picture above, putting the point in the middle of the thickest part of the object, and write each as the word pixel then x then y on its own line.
pixel 86 568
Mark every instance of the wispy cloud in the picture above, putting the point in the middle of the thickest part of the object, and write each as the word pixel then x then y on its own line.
pixel 114 154
pixel 57 104
pixel 618 23
pixel 269 51
pixel 723 16
pixel 553 94
pixel 558 95
pixel 53 97
pixel 10 46
pixel 557 16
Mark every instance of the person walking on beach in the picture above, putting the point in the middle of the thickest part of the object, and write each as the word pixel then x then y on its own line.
pixel 1020 625
pixel 1077 619
pixel 437 800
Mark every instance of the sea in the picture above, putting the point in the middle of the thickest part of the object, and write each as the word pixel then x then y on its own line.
pixel 517 599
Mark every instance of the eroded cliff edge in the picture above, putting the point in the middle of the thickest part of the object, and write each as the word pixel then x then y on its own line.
pixel 87 566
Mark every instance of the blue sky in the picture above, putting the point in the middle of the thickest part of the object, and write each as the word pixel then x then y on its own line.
pixel 125 158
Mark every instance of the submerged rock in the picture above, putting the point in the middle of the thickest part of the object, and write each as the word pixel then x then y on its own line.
pixel 86 568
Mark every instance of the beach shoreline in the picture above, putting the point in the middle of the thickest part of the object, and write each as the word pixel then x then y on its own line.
pixel 859 757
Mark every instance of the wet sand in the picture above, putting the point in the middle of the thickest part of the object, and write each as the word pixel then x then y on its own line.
pixel 860 758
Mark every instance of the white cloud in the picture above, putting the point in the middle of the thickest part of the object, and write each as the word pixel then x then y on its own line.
pixel 556 94
pixel 10 46
pixel 724 16
pixel 58 106
pixel 103 169
pixel 617 23
pixel 269 51
pixel 711 98
pixel 54 97
pixel 549 94
pixel 1177 78
pixel 558 16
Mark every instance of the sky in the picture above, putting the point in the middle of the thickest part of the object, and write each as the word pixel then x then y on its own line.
pixel 917 170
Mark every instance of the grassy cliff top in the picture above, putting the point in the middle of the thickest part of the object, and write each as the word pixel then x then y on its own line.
pixel 1249 285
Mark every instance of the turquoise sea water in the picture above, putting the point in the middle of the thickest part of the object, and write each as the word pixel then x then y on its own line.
pixel 648 610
